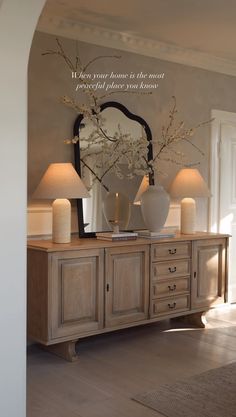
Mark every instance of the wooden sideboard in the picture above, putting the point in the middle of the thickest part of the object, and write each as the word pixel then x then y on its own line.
pixel 91 286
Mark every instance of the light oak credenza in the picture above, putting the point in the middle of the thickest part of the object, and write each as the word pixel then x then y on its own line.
pixel 91 286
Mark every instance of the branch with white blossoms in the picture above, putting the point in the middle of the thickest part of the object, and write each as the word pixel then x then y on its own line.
pixel 172 134
pixel 75 66
pixel 112 155
pixel 121 148
pixel 113 151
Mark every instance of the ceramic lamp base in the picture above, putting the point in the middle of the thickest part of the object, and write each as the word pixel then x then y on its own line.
pixel 61 221
pixel 188 216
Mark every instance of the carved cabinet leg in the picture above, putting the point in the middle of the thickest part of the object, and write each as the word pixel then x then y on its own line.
pixel 196 319
pixel 65 350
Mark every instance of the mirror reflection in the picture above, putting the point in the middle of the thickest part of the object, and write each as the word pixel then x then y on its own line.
pixel 112 192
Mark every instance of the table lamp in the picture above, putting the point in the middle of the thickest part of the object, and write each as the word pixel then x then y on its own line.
pixel 187 185
pixel 61 182
pixel 143 187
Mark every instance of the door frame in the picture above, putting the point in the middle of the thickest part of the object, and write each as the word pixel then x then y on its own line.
pixel 18 20
pixel 220 118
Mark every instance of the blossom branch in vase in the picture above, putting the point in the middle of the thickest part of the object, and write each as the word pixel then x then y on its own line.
pixel 115 149
pixel 171 135
pixel 112 151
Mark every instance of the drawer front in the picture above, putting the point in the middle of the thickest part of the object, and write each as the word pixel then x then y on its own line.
pixel 170 305
pixel 176 268
pixel 171 287
pixel 171 251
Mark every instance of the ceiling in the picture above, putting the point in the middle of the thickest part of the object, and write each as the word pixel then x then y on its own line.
pixel 200 26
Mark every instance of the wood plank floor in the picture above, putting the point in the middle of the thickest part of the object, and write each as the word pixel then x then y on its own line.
pixel 114 367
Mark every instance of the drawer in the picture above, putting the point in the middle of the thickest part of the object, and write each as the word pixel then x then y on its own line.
pixel 170 287
pixel 170 305
pixel 178 250
pixel 177 268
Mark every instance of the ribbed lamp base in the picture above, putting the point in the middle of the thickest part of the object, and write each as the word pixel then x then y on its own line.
pixel 188 216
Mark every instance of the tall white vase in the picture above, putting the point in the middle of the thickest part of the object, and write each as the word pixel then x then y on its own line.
pixel 155 203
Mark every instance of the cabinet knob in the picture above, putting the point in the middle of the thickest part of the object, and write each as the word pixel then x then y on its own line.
pixel 108 287
pixel 172 270
pixel 171 306
pixel 172 251
pixel 173 288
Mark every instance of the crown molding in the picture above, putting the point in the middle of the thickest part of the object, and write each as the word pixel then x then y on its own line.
pixel 72 29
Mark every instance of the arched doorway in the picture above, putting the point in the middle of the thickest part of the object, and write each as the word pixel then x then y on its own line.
pixel 17 24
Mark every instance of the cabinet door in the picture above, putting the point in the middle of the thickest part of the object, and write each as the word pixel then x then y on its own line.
pixel 208 272
pixel 76 292
pixel 127 284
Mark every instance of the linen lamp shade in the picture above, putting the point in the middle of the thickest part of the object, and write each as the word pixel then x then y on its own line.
pixel 187 185
pixel 61 182
pixel 143 187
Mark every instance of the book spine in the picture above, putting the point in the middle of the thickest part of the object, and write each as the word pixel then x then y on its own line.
pixel 115 239
pixel 157 237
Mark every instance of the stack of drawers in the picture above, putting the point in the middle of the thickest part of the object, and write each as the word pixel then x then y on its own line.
pixel 170 278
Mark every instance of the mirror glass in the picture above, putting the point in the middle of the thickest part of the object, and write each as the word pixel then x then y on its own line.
pixel 92 213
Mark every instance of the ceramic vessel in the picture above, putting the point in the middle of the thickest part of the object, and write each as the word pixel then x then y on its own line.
pixel 155 203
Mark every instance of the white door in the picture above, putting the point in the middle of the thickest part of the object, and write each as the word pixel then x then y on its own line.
pixel 227 197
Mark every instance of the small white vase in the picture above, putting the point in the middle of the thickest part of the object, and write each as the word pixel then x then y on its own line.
pixel 155 203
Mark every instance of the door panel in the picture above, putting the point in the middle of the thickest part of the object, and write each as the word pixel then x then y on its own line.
pixel 127 284
pixel 208 276
pixel 77 287
pixel 77 293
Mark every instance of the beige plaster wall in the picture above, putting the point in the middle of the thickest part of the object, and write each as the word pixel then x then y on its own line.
pixel 197 92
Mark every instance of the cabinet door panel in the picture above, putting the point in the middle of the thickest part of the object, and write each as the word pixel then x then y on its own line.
pixel 208 277
pixel 77 287
pixel 127 279
pixel 77 293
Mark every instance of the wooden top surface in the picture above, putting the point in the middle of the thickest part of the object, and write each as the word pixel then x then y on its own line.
pixel 93 243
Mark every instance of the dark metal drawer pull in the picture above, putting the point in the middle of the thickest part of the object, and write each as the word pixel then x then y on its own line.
pixel 173 288
pixel 171 270
pixel 172 251
pixel 171 306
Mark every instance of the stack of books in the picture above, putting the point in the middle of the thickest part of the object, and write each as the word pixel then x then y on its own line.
pixel 164 233
pixel 116 236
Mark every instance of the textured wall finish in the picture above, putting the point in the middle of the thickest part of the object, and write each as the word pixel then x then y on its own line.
pixel 197 92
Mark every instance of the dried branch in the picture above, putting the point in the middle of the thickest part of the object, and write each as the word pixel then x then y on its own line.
pixel 113 150
pixel 94 173
pixel 100 57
